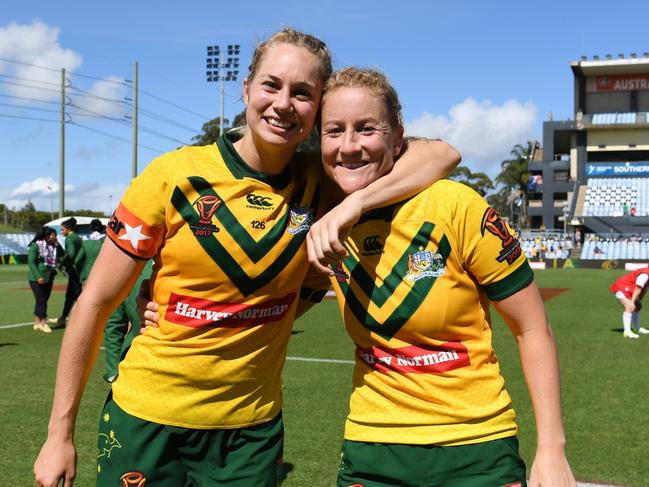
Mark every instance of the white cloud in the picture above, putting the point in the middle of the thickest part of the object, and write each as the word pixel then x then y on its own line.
pixel 37 187
pixel 483 132
pixel 35 44
pixel 101 98
pixel 37 47
pixel 90 196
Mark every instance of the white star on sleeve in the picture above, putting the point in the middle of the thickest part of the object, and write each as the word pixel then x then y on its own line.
pixel 133 235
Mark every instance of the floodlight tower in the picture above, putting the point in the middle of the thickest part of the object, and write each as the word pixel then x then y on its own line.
pixel 216 70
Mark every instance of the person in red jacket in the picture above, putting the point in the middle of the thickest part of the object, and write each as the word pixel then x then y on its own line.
pixel 629 290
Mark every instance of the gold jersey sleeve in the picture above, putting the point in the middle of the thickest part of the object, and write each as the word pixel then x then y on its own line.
pixel 138 224
pixel 230 259
pixel 414 293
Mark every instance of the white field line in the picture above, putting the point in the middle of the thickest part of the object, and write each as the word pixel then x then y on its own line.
pixel 22 283
pixel 321 360
pixel 297 359
pixel 16 325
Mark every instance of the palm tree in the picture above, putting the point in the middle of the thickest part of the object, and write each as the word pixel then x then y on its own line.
pixel 479 181
pixel 513 179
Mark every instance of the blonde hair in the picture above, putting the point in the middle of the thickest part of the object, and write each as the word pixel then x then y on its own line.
pixel 295 38
pixel 372 79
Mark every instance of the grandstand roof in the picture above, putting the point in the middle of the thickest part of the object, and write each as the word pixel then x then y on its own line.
pixel 625 65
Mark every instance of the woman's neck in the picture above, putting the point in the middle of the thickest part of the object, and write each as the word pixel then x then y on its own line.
pixel 262 157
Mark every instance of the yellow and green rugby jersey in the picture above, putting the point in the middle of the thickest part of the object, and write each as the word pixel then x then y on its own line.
pixel 229 266
pixel 414 294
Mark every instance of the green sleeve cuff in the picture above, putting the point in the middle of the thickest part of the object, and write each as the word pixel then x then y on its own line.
pixel 514 282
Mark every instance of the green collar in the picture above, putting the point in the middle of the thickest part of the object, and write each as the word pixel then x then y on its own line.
pixel 240 169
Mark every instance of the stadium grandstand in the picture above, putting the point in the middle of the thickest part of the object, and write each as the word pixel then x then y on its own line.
pixel 591 176
pixel 15 243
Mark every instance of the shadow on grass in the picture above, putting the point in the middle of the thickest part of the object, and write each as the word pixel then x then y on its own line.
pixel 286 469
pixel 11 344
pixel 297 332
pixel 617 330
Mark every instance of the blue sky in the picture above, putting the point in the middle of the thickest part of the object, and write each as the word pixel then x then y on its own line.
pixel 482 75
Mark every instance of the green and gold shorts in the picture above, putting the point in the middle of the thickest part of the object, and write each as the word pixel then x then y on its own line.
pixel 135 452
pixel 490 464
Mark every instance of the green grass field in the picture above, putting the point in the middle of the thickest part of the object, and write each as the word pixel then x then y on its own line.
pixel 605 379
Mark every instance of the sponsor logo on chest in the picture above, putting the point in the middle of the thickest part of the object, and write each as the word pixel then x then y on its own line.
pixel 423 359
pixel 197 312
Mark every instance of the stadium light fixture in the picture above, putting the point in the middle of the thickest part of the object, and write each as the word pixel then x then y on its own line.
pixel 215 70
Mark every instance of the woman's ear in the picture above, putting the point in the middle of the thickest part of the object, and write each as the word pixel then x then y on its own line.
pixel 245 90
pixel 398 142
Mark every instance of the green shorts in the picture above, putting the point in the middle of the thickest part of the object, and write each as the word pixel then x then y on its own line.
pixel 135 452
pixel 490 464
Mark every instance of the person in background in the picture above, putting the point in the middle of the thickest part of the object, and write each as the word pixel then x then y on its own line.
pixel 629 291
pixel 429 405
pixel 73 264
pixel 43 256
pixel 578 238
pixel 118 332
pixel 122 326
pixel 91 247
pixel 199 400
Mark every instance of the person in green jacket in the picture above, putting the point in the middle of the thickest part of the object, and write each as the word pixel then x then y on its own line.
pixel 123 326
pixel 43 256
pixel 91 246
pixel 73 264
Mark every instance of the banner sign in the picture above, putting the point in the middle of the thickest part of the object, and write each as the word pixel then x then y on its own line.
pixel 617 169
pixel 623 82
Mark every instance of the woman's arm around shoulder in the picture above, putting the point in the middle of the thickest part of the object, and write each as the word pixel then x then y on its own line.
pixel 525 315
pixel 422 163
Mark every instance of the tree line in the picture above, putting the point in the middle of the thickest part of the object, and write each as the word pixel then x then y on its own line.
pixel 29 219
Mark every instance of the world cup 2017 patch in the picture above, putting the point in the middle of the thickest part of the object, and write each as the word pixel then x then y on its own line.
pixel 206 206
pixel 494 224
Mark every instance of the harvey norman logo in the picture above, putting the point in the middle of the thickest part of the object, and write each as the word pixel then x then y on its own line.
pixel 196 312
pixel 425 359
